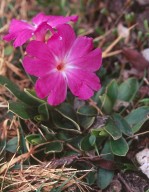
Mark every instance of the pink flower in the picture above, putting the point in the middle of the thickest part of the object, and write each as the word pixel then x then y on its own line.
pixel 20 31
pixel 65 61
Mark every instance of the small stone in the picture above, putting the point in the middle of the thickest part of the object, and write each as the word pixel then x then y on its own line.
pixel 143 2
pixel 143 159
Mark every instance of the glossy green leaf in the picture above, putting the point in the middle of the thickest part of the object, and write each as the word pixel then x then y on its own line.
pixel 112 91
pixel 104 178
pixel 35 139
pixel 54 147
pixel 128 89
pixel 12 145
pixel 23 110
pixel 87 110
pixel 122 124
pixel 119 147
pixel 138 117
pixel 112 128
pixel 21 95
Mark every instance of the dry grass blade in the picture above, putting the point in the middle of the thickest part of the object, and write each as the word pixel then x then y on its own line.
pixel 38 176
pixel 107 52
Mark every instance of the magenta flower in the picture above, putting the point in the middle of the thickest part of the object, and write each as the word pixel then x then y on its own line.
pixel 20 31
pixel 65 61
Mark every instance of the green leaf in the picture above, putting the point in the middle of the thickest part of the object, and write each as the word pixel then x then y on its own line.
pixel 106 152
pixel 91 178
pixel 22 110
pixel 21 95
pixel 119 147
pixel 46 130
pixel 85 121
pixel 104 178
pixel 137 118
pixel 87 111
pixel 35 139
pixel 145 101
pixel 113 129
pixel 66 111
pixel 54 147
pixel 85 144
pixel 101 132
pixel 92 140
pixel 128 167
pixel 97 94
pixel 8 50
pixel 112 91
pixel 128 89
pixel 123 125
pixel 62 122
pixel 43 111
pixel 147 190
pixel 12 145
pixel 106 104
pixel 22 128
pixel 31 93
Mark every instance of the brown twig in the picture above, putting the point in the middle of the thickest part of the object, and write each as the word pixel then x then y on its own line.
pixel 128 188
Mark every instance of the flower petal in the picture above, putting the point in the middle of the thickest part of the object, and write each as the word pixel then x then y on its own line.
pixel 40 50
pixel 85 92
pixel 39 18
pixel 61 42
pixel 10 37
pixel 54 21
pixel 45 84
pixel 81 47
pixel 41 31
pixel 37 67
pixel 80 89
pixel 90 62
pixel 19 25
pixel 90 79
pixel 22 37
pixel 58 94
